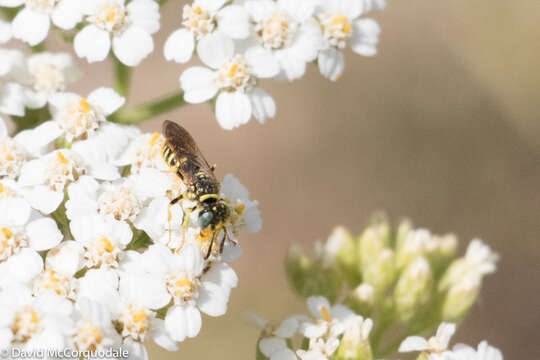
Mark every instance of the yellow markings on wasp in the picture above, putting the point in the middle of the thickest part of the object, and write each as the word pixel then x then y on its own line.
pixel 325 314
pixel 7 233
pixel 1 188
pixel 197 10
pixel 208 196
pixel 62 158
pixel 154 139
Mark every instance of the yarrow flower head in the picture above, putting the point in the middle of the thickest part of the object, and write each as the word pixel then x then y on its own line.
pixel 201 18
pixel 33 21
pixel 127 25
pixel 233 78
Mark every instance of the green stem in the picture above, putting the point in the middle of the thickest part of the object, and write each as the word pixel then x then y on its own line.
pixel 140 113
pixel 123 77
pixel 10 13
pixel 31 119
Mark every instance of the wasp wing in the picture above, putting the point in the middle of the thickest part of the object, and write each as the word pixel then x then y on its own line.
pixel 183 145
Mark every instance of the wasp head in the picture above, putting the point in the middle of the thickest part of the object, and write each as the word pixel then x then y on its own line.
pixel 213 213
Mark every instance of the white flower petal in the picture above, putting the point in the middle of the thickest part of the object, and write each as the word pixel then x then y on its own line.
pixel 365 37
pixel 14 211
pixel 212 299
pixel 351 8
pixel 182 322
pixel 270 346
pixel 315 305
pixel 32 173
pixel 233 20
pixel 413 343
pixel 288 328
pixel 132 45
pixel 66 258
pixel 44 199
pixel 144 14
pixel 92 43
pixel 299 10
pixel 24 266
pixel 211 5
pixel 262 105
pixel 214 49
pixel 135 349
pixel 43 234
pixel 106 99
pixel 261 62
pixel 159 334
pixel 445 332
pixel 12 99
pixel 31 26
pixel 331 63
pixel 66 14
pixel 198 84
pixel 5 32
pixel 179 46
pixel 232 109
pixel 283 354
pixel 11 3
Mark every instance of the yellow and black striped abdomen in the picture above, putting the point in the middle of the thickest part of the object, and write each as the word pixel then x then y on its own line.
pixel 169 156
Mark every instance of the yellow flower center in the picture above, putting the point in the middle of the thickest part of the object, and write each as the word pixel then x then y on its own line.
pixel 275 31
pixel 337 29
pixel 234 75
pixel 110 17
pixel 26 324
pixel 197 20
pixel 88 337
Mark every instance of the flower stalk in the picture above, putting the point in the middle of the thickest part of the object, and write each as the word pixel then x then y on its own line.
pixel 139 113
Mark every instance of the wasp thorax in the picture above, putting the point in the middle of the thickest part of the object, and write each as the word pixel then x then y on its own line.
pixel 79 120
pixel 11 158
pixel 275 31
pixel 45 6
pixel 234 75
pixel 200 22
pixel 336 29
pixel 110 16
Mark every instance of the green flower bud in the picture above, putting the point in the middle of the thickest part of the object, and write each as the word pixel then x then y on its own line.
pixel 372 242
pixel 445 250
pixel 298 267
pixel 346 258
pixel 362 299
pixel 381 273
pixel 413 289
pixel 355 343
pixel 460 298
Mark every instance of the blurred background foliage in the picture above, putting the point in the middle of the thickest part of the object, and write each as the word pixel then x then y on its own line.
pixel 442 127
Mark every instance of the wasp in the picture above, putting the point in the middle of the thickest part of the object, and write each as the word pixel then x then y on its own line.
pixel 183 156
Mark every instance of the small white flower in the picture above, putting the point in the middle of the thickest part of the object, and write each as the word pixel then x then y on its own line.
pixel 50 280
pixel 144 152
pixel 328 319
pixel 33 21
pixel 21 238
pixel 12 155
pixel 41 322
pixel 245 214
pixel 46 74
pixel 116 200
pixel 233 78
pixel 47 177
pixel 483 352
pixel 273 342
pixel 131 27
pixel 103 239
pixel 436 346
pixel 79 117
pixel 340 25
pixel 94 330
pixel 191 290
pixel 12 98
pixel 201 18
pixel 286 34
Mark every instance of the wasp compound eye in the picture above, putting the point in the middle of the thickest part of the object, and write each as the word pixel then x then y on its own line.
pixel 205 218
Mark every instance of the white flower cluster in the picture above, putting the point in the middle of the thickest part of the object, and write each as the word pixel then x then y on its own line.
pixel 328 331
pixel 103 24
pixel 241 42
pixel 92 256
pixel 436 347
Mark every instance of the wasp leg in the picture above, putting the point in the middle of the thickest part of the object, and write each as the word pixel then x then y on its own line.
pixel 169 215
pixel 226 237
pixel 210 247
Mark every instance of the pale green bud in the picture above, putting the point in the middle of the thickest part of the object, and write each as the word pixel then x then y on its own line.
pixel 412 245
pixel 355 343
pixel 423 356
pixel 460 298
pixel 413 289
pixel 362 299
pixel 372 242
pixel 298 267
pixel 403 230
pixel 445 250
pixel 381 273
pixel 346 258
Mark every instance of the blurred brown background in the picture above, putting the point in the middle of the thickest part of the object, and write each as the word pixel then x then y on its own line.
pixel 442 127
